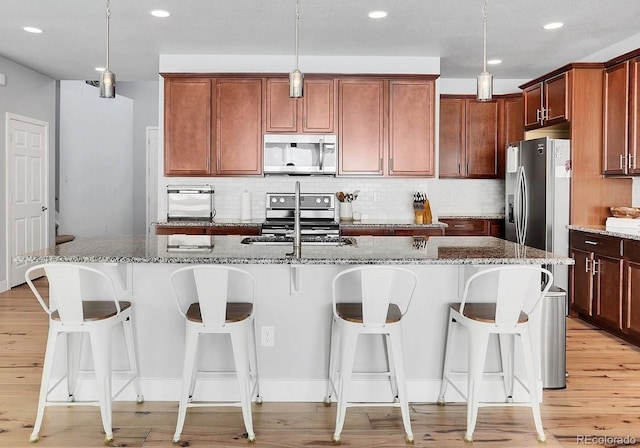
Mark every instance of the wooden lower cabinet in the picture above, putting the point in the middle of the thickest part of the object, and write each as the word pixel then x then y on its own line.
pixel 389 231
pixel 604 285
pixel 473 227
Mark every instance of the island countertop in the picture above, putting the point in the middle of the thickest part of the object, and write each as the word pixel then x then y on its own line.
pixel 228 249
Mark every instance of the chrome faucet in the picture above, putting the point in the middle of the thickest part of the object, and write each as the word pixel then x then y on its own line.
pixel 297 237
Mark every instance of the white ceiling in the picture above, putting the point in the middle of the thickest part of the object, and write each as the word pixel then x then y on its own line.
pixel 74 41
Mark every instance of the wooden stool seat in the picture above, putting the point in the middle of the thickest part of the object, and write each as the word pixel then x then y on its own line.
pixel 352 312
pixel 236 312
pixel 97 310
pixel 485 312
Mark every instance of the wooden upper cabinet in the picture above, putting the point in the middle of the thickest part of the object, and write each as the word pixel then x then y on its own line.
pixel 187 126
pixel 238 146
pixel 469 137
pixel 281 113
pixel 512 128
pixel 313 113
pixel 452 136
pixel 361 126
pixel 616 119
pixel 411 128
pixel 547 103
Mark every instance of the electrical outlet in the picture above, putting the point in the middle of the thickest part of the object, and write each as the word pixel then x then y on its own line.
pixel 267 336
pixel 376 196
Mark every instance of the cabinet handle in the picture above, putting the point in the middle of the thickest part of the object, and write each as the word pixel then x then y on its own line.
pixel 587 263
pixel 632 162
pixel 459 168
pixel 593 243
pixel 390 165
pixel 623 161
pixel 538 116
pixel 545 113
pixel 467 168
pixel 595 268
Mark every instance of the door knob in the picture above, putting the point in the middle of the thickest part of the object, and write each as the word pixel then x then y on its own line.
pixel 44 208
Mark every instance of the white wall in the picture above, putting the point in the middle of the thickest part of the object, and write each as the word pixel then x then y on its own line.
pixel 96 162
pixel 30 94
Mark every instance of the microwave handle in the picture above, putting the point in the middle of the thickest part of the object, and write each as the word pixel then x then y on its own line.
pixel 321 155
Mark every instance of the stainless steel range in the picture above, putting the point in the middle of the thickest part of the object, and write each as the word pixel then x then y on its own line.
pixel 317 215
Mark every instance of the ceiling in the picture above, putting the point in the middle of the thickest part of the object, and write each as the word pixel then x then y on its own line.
pixel 74 38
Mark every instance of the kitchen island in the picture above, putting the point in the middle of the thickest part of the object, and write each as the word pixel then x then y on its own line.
pixel 294 297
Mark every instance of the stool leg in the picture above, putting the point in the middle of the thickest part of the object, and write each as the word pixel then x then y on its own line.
pixel 333 362
pixel 127 326
pixel 532 381
pixel 44 382
pixel 348 340
pixel 253 362
pixel 395 337
pixel 101 350
pixel 74 348
pixel 241 358
pixel 188 370
pixel 392 368
pixel 446 368
pixel 506 359
pixel 478 342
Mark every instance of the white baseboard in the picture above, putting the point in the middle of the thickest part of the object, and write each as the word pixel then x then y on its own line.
pixel 3 286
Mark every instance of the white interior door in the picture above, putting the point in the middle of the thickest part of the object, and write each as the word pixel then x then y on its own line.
pixel 152 177
pixel 27 190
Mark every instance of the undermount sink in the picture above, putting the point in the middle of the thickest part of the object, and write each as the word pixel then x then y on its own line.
pixel 306 241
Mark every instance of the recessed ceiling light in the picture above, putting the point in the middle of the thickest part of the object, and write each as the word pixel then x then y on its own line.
pixel 377 14
pixel 494 61
pixel 32 29
pixel 553 25
pixel 160 13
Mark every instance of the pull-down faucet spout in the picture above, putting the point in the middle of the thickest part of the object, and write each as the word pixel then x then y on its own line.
pixel 297 238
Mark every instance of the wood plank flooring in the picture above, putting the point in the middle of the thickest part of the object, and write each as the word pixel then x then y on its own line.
pixel 602 399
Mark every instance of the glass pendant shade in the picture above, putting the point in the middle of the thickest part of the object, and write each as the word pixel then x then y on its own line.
pixel 107 84
pixel 296 81
pixel 485 86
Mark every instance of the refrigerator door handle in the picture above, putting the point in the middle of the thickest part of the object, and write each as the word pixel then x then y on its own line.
pixel 525 207
pixel 516 205
pixel 521 208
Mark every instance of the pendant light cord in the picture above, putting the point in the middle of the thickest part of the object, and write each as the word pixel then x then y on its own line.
pixel 484 32
pixel 297 32
pixel 108 19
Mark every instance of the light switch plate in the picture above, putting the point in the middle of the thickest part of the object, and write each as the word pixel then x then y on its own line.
pixel 3 79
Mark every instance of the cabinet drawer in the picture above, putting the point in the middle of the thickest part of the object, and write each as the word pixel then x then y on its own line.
pixel 419 232
pixel 631 250
pixel 465 227
pixel 600 244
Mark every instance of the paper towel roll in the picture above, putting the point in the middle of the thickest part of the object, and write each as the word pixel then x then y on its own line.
pixel 245 211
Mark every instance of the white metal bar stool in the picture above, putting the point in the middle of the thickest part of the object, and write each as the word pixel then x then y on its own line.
pixel 519 292
pixel 369 300
pixel 71 314
pixel 203 294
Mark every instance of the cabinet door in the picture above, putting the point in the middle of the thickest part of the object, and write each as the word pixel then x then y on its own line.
pixel 451 150
pixel 187 126
pixel 281 113
pixel 465 227
pixel 318 106
pixel 532 106
pixel 581 281
pixel 608 277
pixel 361 126
pixel 616 119
pixel 512 128
pixel 496 228
pixel 239 126
pixel 481 137
pixel 634 116
pixel 411 128
pixel 631 309
pixel 556 100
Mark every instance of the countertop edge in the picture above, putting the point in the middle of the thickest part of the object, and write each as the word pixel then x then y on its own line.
pixel 602 230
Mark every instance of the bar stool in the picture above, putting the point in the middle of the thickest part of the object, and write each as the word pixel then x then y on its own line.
pixel 203 296
pixel 369 300
pixel 519 292
pixel 73 314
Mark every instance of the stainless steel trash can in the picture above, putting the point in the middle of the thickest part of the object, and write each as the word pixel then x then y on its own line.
pixel 554 339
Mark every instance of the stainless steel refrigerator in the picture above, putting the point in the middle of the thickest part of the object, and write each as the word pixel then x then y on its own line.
pixel 537 179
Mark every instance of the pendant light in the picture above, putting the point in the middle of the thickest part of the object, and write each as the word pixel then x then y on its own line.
pixel 107 77
pixel 485 79
pixel 296 78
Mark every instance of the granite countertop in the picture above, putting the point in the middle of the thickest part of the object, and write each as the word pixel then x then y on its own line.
pixel 227 249
pixel 222 222
pixel 602 230
pixel 473 216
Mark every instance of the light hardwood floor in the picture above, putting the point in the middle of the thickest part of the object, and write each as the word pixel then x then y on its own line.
pixel 602 399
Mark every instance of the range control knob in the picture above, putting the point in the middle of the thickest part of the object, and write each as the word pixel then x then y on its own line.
pixel 318 200
pixel 281 199
pixel 326 200
pixel 274 199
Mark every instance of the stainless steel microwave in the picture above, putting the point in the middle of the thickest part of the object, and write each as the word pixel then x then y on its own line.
pixel 300 154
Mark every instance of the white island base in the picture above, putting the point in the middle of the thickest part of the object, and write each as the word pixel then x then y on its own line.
pixel 295 301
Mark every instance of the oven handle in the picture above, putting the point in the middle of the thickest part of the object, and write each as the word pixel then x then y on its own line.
pixel 321 155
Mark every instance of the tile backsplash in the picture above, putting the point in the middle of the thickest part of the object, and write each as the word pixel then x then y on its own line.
pixel 394 196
